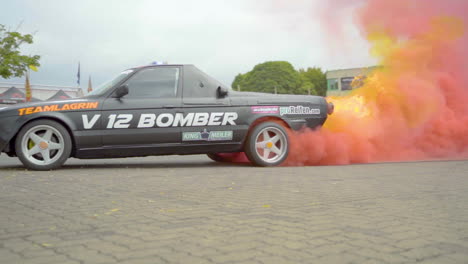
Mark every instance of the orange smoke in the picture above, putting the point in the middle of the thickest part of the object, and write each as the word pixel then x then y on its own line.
pixel 413 107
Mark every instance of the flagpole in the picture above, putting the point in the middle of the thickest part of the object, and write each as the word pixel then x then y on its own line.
pixel 78 75
pixel 90 86
pixel 27 87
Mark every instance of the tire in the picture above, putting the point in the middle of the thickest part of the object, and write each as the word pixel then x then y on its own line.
pixel 270 152
pixel 43 145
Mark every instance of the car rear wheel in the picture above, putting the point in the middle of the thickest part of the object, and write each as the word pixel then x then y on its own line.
pixel 267 144
pixel 43 145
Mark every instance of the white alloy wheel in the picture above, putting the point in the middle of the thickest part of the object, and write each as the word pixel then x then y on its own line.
pixel 267 144
pixel 270 144
pixel 43 145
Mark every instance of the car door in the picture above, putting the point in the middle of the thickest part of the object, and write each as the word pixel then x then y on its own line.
pixel 214 120
pixel 144 117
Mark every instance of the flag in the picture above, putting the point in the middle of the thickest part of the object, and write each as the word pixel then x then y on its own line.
pixel 90 86
pixel 34 68
pixel 78 75
pixel 27 87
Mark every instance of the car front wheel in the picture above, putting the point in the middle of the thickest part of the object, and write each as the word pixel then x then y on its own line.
pixel 43 145
pixel 267 144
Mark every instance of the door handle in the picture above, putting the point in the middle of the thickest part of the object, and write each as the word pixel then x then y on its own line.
pixel 169 106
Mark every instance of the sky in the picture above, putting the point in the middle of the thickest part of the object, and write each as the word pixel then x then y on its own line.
pixel 221 37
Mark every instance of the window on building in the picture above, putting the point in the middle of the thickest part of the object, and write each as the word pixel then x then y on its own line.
pixel 358 81
pixel 346 83
pixel 332 84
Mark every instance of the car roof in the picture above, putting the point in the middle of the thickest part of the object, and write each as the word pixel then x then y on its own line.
pixel 160 65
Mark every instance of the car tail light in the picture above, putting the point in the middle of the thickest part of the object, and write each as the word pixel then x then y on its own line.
pixel 330 108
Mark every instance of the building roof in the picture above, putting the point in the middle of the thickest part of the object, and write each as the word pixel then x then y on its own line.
pixel 60 95
pixel 351 72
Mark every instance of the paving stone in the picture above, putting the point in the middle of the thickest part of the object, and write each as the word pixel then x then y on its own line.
pixel 51 259
pixel 419 254
pixel 106 247
pixel 240 246
pixel 442 259
pixel 182 257
pixel 18 245
pixel 40 252
pixel 459 257
pixel 155 210
pixel 330 249
pixel 87 255
pixel 9 257
pixel 149 260
pixel 386 257
pixel 132 254
pixel 412 243
pixel 236 256
pixel 341 258
pixel 273 259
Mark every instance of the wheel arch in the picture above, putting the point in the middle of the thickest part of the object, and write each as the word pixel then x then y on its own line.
pixel 269 119
pixel 67 125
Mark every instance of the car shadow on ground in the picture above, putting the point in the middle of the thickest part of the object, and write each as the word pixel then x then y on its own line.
pixel 133 165
pixel 161 165
pixel 83 165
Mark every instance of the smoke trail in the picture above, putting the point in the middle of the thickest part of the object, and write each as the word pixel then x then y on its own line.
pixel 416 105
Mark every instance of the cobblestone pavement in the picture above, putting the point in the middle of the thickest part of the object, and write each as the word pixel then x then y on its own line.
pixel 191 210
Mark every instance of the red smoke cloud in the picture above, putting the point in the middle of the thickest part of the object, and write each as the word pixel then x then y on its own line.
pixel 416 105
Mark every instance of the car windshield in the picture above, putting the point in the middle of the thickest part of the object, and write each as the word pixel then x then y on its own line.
pixel 103 88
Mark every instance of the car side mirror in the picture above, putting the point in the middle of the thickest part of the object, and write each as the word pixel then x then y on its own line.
pixel 121 91
pixel 221 92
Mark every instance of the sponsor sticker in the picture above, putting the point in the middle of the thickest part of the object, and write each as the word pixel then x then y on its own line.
pixel 189 119
pixel 299 110
pixel 207 136
pixel 265 109
pixel 151 120
pixel 57 107
pixel 12 101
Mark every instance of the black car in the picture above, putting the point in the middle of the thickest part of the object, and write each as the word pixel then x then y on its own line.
pixel 158 110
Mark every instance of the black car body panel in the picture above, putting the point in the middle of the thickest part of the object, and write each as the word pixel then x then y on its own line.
pixel 189 118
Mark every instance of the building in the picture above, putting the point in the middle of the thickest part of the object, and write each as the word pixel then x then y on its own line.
pixel 39 92
pixel 341 82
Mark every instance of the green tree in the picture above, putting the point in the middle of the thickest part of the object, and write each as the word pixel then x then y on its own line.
pixel 12 62
pixel 238 81
pixel 268 76
pixel 307 88
pixel 313 78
